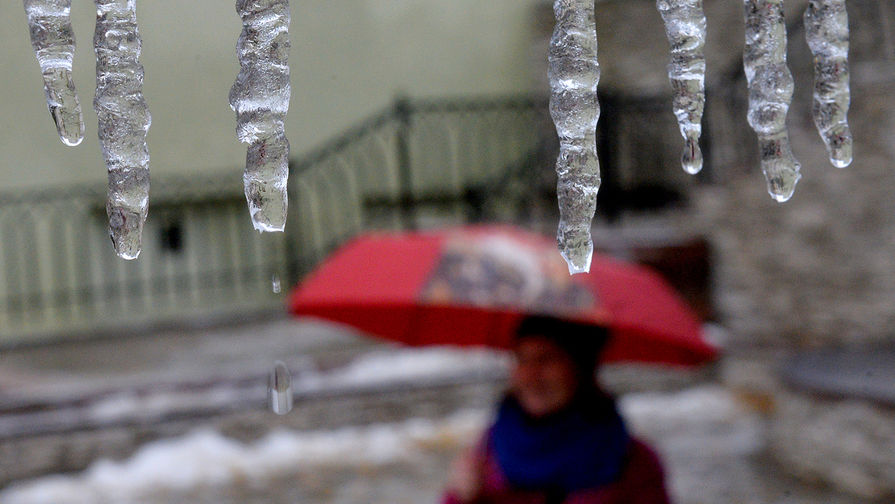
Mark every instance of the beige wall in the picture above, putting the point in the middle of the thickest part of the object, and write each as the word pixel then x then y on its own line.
pixel 349 58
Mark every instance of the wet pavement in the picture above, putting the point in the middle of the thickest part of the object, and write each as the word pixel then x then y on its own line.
pixel 714 442
pixel 168 357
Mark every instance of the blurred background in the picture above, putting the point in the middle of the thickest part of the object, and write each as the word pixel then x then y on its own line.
pixel 145 381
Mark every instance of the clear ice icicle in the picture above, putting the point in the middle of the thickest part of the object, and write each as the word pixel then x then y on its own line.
pixel 123 121
pixel 574 74
pixel 279 388
pixel 53 39
pixel 685 28
pixel 826 30
pixel 260 98
pixel 770 93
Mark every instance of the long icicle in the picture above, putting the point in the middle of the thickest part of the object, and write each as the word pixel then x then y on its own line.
pixel 826 30
pixel 770 93
pixel 53 40
pixel 123 121
pixel 685 29
pixel 260 98
pixel 574 74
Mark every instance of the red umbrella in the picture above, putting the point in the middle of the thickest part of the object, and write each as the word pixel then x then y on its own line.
pixel 472 286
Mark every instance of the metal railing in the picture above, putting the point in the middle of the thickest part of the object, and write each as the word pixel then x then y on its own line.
pixel 415 164
pixel 420 163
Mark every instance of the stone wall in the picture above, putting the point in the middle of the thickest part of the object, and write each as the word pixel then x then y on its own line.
pixel 848 443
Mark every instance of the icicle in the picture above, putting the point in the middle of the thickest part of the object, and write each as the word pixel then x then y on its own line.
pixel 685 28
pixel 574 74
pixel 123 121
pixel 54 45
pixel 260 98
pixel 770 93
pixel 826 30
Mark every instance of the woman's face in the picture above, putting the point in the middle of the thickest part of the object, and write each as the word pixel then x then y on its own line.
pixel 544 378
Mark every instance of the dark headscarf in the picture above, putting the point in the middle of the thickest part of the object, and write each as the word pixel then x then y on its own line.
pixel 582 342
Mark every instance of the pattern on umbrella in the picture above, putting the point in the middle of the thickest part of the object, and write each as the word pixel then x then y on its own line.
pixel 495 271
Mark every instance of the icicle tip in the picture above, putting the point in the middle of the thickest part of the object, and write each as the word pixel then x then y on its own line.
pixel 69 123
pixel 265 181
pixel 125 230
pixel 782 188
pixel 267 227
pixel 840 148
pixel 267 209
pixel 577 249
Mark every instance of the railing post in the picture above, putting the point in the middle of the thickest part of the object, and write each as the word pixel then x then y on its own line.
pixel 293 248
pixel 706 175
pixel 403 110
pixel 607 135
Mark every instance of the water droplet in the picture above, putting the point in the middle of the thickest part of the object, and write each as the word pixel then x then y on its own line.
pixel 691 159
pixel 275 283
pixel 279 387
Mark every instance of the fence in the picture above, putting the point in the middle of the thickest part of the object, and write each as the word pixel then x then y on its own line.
pixel 413 165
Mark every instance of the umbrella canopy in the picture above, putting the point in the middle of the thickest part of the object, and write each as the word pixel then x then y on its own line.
pixel 473 285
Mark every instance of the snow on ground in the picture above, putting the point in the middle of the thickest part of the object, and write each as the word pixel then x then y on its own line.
pixel 405 365
pixel 707 417
pixel 204 459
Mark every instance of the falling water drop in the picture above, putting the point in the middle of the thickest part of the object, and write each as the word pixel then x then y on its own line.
pixel 275 283
pixel 574 73
pixel 279 387
pixel 770 93
pixel 53 41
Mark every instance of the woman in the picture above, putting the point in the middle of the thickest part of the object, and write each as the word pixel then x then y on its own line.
pixel 557 438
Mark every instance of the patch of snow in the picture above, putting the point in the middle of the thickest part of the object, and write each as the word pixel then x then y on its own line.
pixel 407 365
pixel 206 458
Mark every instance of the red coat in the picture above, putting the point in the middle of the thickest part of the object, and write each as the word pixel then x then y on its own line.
pixel 642 482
